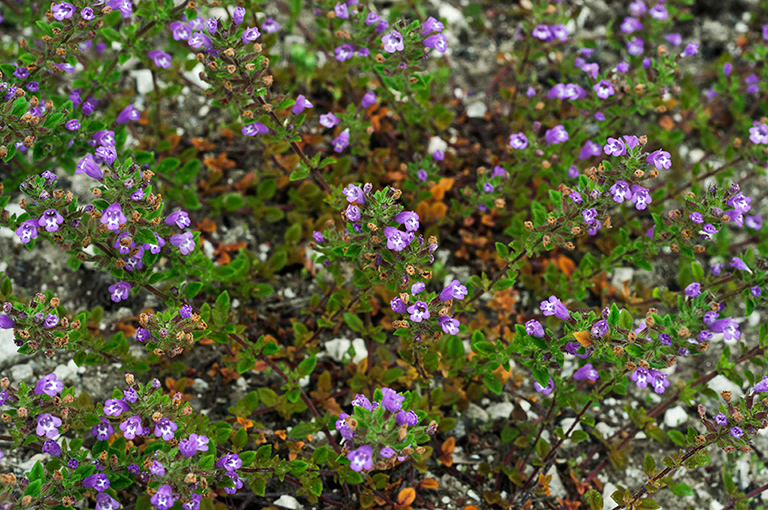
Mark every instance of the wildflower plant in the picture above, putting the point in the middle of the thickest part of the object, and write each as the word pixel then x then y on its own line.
pixel 263 187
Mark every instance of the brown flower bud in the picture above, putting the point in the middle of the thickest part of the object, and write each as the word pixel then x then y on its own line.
pixel 618 350
pixel 22 412
pixel 630 366
pixel 726 395
pixel 643 364
pixel 157 416
pixel 528 225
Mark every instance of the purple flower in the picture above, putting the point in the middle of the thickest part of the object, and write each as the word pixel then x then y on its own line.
pixel 200 40
pixel 387 452
pixel 47 425
pixel 534 328
pixel 354 194
pixel 754 222
pixel 353 212
pixel 761 386
pixel 658 11
pixel 696 217
pixel 27 231
pixel 740 202
pixel 437 41
pixel 230 462
pixel 586 372
pixel 127 114
pixel 362 401
pixel 728 327
pixel 72 125
pixel 600 329
pixel 369 99
pixel 155 248
pixel 693 290
pixel 397 305
pixel 163 498
pixel 180 31
pixel 344 52
pixel 119 291
pixel 341 142
pixel 255 128
pixel 419 311
pixel 270 26
pixel 544 390
pixel 408 418
pixel 736 432
pixel 559 32
pixel 635 46
pixel 391 400
pixel 630 25
pixel 615 147
pixel 103 430
pixel 361 459
pixel 63 11
pixel 51 219
pixel 590 149
pixel 661 160
pixel 642 377
pixel 739 264
pixel 422 175
pixel 164 428
pixel 185 312
pixel 251 34
pixel 343 427
pixel 620 192
pixel 239 15
pixel 554 306
pixel 372 18
pixel 179 218
pixel 449 325
pixel 640 197
pixel 301 103
pixel 756 291
pixel 318 236
pixel 556 135
pixel 542 32
pixel 691 49
pixel 329 120
pixel 431 25
pixel 659 382
pixel 758 133
pixel 52 447
pixel 49 385
pixel 396 239
pixel 454 290
pixel 720 419
pixel 637 8
pixel 124 6
pixel 113 217
pixel 418 287
pixel 51 321
pixel 98 482
pixel 604 89
pixel 115 407
pixel 341 11
pixel 393 41
pixel 518 141
pixel 156 468
pixel 211 25
pixel 106 502
pixel 408 218
pixel 160 58
pixel 185 242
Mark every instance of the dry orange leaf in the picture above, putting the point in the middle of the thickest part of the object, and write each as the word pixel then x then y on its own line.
pixel 439 189
pixel 666 122
pixel 280 434
pixel 207 225
pixel 566 265
pixel 448 445
pixel 202 144
pixel 219 163
pixel 245 422
pixel 583 337
pixel 430 483
pixel 406 496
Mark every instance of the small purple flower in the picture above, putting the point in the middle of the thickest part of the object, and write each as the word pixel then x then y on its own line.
pixel 755 222
pixel 185 242
pixel 63 11
pixel 353 212
pixel 98 482
pixel 106 502
pixel 600 329
pixel 180 31
pixel 391 400
pixel 51 219
pixel 756 291
pixel 270 26
pixel 640 197
pixel 255 128
pixel 103 430
pixel 449 325
pixel 341 142
pixel 393 41
pixel 396 239
pixel 720 419
pixel 554 306
pixel 431 25
pixel 52 447
pixel 47 425
pixel 354 193
pixel 230 462
pixel 736 432
pixel 160 58
pixel 369 99
pixel 727 68
pixel 417 288
pixel 556 135
pixel 387 452
pixel 419 311
pixel 661 160
pixel 329 120
pixel 615 147
pixel 586 372
pixel 49 385
pixel 542 32
pixel 620 192
pixel 604 89
pixel 127 114
pixel 696 217
pixel 534 328
pixel 119 291
pixel 211 25
pixel 185 312
pixel 739 264
pixel 437 42
pixel 710 317
pixel 362 401
pixel 518 141
pixel 318 236
pixel 716 269
pixel 163 498
pixel 422 175
pixel 343 427
pixel 164 428
pixel 408 218
pixel 200 40
pixel 72 125
pixel 27 231
pixel 693 290
pixel 630 25
pixel 239 15
pixel 115 407
pixel 761 386
pixel 728 327
pixel 635 46
pixel 113 217
pixel 301 103
pixel 691 49
pixel 589 150
pixel 659 11
pixel 178 218
pixel 344 52
pixel 250 35
pixel 408 418
pixel 559 32
pixel 51 321
pixel 397 305
pixel 372 18
pixel 341 11
pixel 156 468
pixel 544 390
pixel 454 290
pixel 361 459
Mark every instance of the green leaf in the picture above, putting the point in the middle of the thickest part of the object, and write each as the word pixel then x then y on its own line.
pixel 167 165
pixel 542 376
pixel 188 172
pixel 20 106
pixel 240 439
pixel 502 250
pixel 392 375
pixel 301 430
pixel 233 201
pixel 37 472
pixel 33 489
pixel 354 322
pixel 492 383
pixel 595 500
pixel 301 172
pixel 677 437
pixel 245 364
pixel 110 34
pixel 307 366
pixel 192 289
pixel 649 465
pixel 646 503
pixel 578 436
pixel 625 319
pixel 681 489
